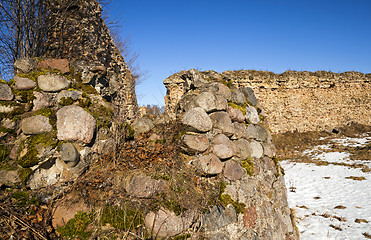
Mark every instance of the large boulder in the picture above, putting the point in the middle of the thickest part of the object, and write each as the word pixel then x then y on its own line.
pixel 197 120
pixel 222 122
pixel 206 101
pixel 23 83
pixel 250 96
pixel 235 114
pixel 194 143
pixel 238 97
pixel 52 82
pixel 257 149
pixel 74 95
pixel 223 148
pixel 75 124
pixel 36 125
pixel 244 148
pixel 60 64
pixel 221 89
pixel 6 93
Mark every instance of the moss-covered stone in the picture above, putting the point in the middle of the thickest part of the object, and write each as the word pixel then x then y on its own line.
pixel 248 165
pixel 65 101
pixel 4 153
pixel 25 199
pixel 227 82
pixel 50 113
pixel 226 199
pixel 24 174
pixel 241 108
pixel 26 96
pixel 30 159
pixel 121 218
pixel 76 227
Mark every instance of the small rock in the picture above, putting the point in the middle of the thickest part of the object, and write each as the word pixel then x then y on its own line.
pixel 210 164
pixel 240 130
pixel 75 95
pixel 52 82
pixel 69 154
pixel 25 65
pixel 223 148
pixel 194 143
pixel 6 93
pixel 252 115
pixel 235 115
pixel 60 64
pixel 142 125
pixel 257 149
pixel 23 83
pixel 222 121
pixel 252 132
pixel 197 120
pixel 262 134
pixel 42 100
pixel 249 95
pixel 238 97
pixel 219 217
pixel 233 171
pixel 36 125
pixel 75 124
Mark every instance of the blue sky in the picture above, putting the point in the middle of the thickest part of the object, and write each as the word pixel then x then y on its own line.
pixel 274 35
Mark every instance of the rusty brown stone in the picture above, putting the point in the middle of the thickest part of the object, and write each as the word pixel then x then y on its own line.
pixel 60 64
pixel 250 216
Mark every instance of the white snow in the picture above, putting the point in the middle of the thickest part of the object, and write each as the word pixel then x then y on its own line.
pixel 316 190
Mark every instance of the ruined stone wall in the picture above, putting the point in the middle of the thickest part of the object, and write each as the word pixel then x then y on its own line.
pixel 303 101
pixel 78 32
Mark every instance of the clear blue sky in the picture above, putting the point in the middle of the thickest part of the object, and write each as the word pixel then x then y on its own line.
pixel 274 35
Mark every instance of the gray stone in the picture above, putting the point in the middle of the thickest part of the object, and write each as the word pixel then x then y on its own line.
pixel 250 96
pixel 219 217
pixel 221 89
pixel 23 83
pixel 197 120
pixel 36 125
pixel 240 130
pixel 206 101
pixel 9 178
pixel 166 224
pixel 5 92
pixel 261 132
pixel 52 82
pixel 75 124
pixel 233 171
pixel 69 154
pixel 257 149
pixel 75 95
pixel 210 164
pixel 25 65
pixel 244 149
pixel 222 121
pixel 252 115
pixel 8 123
pixel 194 143
pixel 221 103
pixel 238 97
pixel 235 114
pixel 42 100
pixel 252 132
pixel 143 186
pixel 142 125
pixel 269 149
pixel 223 148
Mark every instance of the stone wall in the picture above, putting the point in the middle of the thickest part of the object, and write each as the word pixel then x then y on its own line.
pixel 78 32
pixel 303 101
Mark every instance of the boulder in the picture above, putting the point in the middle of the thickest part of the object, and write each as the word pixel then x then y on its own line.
pixel 206 101
pixel 262 134
pixel 269 149
pixel 75 95
pixel 42 100
pixel 219 217
pixel 244 149
pixel 238 97
pixel 249 95
pixel 23 83
pixel 252 115
pixel 197 120
pixel 221 89
pixel 165 223
pixel 222 122
pixel 142 125
pixel 69 154
pixel 5 92
pixel 209 164
pixel 52 82
pixel 233 171
pixel 25 65
pixel 240 131
pixel 257 149
pixel 143 186
pixel 60 64
pixel 252 132
pixel 194 143
pixel 222 147
pixel 75 124
pixel 235 114
pixel 221 103
pixel 36 125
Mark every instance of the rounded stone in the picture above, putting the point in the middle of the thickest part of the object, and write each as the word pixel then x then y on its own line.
pixel 223 148
pixel 197 120
pixel 206 101
pixel 52 82
pixel 233 171
pixel 210 164
pixel 75 124
pixel 23 83
pixel 222 121
pixel 5 93
pixel 262 134
pixel 238 97
pixel 36 125
pixel 252 115
pixel 194 143
pixel 257 149
pixel 69 154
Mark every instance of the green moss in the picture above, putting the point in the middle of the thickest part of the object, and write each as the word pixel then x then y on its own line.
pixel 30 159
pixel 3 81
pixel 182 237
pixel 4 153
pixel 25 199
pixel 76 227
pixel 24 174
pixel 26 96
pixel 227 82
pixel 262 118
pixel 35 74
pixel 66 101
pixel 226 199
pixel 241 108
pixel 249 166
pixel 124 219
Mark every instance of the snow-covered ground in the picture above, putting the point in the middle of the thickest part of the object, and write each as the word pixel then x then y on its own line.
pixel 330 201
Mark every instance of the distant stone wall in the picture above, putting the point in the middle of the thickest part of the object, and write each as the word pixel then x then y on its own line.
pixel 78 32
pixel 302 101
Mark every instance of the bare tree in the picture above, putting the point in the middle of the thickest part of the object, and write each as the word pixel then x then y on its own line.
pixel 22 31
